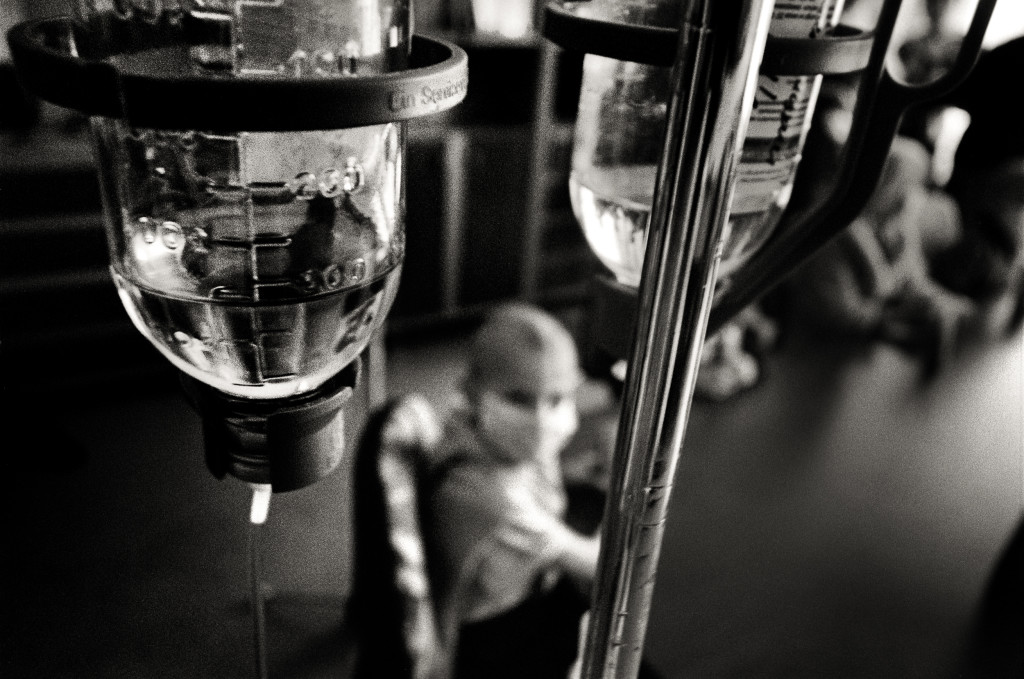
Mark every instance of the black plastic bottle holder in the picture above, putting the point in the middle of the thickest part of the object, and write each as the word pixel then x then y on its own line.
pixel 881 104
pixel 147 89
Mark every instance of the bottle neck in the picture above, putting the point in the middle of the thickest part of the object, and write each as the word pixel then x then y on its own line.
pixel 288 443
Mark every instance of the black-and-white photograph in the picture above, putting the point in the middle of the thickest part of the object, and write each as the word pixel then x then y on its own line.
pixel 512 339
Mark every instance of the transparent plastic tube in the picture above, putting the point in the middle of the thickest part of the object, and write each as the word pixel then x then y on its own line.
pixel 260 506
pixel 258 263
pixel 620 127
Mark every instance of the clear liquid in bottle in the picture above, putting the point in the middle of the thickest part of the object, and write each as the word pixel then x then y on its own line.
pixel 258 263
pixel 619 133
pixel 613 207
pixel 261 350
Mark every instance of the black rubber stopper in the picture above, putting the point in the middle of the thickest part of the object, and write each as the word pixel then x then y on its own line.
pixel 289 443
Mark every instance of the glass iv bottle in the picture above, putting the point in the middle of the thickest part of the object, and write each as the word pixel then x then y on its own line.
pixel 259 263
pixel 620 134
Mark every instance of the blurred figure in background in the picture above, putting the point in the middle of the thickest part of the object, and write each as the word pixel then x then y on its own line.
pixel 986 263
pixel 511 577
pixel 873 281
pixel 730 360
pixel 935 256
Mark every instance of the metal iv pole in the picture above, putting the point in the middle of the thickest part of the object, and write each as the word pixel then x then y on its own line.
pixel 714 72
pixel 713 79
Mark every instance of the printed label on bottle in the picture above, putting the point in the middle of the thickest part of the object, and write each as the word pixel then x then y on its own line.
pixel 802 18
pixel 776 123
pixel 781 114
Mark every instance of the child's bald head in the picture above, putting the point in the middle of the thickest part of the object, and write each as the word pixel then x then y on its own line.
pixel 522 349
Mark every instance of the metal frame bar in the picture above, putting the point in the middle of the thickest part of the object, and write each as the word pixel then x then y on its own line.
pixel 716 68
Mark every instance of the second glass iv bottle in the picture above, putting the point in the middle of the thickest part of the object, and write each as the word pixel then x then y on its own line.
pixel 620 134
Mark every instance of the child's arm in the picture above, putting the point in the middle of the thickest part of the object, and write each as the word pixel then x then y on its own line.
pixel 575 553
pixel 531 526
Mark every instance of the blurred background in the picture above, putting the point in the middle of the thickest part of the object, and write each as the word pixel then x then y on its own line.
pixel 846 516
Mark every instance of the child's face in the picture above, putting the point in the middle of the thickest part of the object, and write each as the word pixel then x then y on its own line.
pixel 527 422
pixel 524 373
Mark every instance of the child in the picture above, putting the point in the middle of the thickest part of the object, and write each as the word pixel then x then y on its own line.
pixel 508 572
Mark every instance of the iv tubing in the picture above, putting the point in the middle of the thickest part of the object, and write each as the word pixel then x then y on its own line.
pixel 257 516
pixel 713 78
